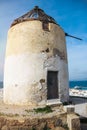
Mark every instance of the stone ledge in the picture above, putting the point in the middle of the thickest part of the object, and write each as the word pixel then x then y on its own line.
pixel 54 102
pixel 69 108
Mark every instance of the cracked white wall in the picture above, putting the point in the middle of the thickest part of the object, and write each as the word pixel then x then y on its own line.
pixel 30 53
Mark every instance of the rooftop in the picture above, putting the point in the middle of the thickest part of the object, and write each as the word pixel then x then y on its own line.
pixel 35 14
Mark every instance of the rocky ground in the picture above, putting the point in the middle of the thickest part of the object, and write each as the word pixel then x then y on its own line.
pixel 14 117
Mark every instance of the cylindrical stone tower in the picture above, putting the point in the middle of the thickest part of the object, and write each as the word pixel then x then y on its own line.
pixel 36 68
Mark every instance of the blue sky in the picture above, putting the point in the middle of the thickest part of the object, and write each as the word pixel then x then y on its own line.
pixel 71 15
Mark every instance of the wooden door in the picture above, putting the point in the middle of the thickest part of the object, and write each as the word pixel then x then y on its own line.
pixel 52 84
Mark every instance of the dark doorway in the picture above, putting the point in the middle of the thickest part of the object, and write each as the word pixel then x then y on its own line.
pixel 52 84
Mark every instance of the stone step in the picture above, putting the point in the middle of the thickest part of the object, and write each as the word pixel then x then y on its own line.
pixel 54 102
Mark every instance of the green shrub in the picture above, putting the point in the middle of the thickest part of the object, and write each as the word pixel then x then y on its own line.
pixel 46 109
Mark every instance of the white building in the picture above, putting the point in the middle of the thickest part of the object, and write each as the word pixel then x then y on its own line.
pixel 36 67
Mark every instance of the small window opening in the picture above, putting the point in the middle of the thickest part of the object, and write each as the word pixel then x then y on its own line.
pixel 45 26
pixel 34 15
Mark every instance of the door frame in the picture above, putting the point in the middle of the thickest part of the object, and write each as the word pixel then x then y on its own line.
pixel 57 84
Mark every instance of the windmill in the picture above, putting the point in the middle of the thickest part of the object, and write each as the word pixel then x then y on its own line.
pixel 36 61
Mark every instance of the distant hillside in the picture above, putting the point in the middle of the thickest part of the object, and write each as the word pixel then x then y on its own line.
pixel 1 84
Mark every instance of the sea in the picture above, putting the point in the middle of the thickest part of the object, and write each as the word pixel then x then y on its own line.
pixel 82 85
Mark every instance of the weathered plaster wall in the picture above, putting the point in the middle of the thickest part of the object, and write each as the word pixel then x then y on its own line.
pixel 30 53
pixel 30 37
